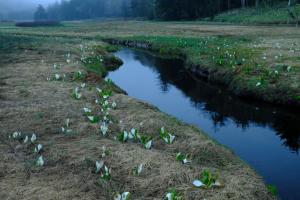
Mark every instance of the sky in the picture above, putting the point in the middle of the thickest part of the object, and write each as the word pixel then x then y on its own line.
pixel 7 6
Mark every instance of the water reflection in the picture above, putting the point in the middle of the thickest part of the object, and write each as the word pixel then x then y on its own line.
pixel 221 105
pixel 265 136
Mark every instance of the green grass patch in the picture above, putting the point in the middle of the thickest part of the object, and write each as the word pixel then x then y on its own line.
pixel 101 60
pixel 231 60
pixel 262 15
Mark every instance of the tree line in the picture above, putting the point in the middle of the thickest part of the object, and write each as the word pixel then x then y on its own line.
pixel 147 9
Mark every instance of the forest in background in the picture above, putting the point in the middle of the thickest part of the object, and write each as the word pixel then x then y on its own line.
pixel 151 9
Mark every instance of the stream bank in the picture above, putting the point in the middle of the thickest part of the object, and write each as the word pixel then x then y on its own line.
pixel 280 93
pixel 261 134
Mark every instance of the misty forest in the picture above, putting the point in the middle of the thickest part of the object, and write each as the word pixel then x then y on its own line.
pixel 150 99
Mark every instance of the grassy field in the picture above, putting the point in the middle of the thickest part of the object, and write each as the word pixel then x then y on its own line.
pixel 263 15
pixel 260 62
pixel 48 76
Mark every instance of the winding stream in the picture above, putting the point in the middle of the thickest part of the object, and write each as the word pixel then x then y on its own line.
pixel 266 137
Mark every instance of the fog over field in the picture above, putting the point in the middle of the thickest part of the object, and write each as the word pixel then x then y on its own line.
pixel 20 9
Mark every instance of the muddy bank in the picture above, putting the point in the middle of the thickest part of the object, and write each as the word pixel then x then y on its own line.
pixel 275 94
pixel 30 103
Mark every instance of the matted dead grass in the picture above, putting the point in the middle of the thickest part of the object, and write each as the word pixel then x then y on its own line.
pixel 29 104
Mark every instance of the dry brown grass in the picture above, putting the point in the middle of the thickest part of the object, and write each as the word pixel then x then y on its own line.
pixel 29 103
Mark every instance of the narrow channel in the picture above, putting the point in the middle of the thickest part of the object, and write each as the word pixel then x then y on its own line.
pixel 265 136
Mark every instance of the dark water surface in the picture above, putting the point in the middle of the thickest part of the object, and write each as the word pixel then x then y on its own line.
pixel 266 137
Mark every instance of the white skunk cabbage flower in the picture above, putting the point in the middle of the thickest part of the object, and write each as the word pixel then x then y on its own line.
pixel 57 77
pixel 99 90
pixel 167 137
pixel 198 183
pixel 133 134
pixel 26 139
pixel 105 103
pixel 169 196
pixel 123 137
pixel 67 122
pixel 104 128
pixel 186 161
pixel 173 196
pixel 83 85
pixel 104 151
pixel 123 196
pixel 183 158
pixel 38 148
pixel 33 138
pixel 40 161
pixel 139 169
pixel 114 105
pixel 16 135
pixel 99 166
pixel 78 95
pixel 65 131
pixel 148 145
pixel 258 84
pixel 87 110
pixel 92 118
pixel 125 133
